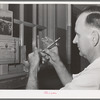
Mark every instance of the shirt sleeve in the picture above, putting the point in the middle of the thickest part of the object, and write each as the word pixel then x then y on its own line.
pixel 84 81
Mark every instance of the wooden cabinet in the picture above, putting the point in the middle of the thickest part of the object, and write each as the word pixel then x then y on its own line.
pixel 13 81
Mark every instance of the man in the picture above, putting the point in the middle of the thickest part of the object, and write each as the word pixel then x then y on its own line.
pixel 87 38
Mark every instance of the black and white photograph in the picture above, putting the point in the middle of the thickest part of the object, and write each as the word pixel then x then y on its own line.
pixel 50 47
pixel 6 22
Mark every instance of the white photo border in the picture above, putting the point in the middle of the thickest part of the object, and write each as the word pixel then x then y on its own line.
pixel 51 94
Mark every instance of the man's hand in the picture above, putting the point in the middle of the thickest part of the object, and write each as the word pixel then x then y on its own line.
pixel 26 66
pixel 60 68
pixel 34 59
pixel 54 55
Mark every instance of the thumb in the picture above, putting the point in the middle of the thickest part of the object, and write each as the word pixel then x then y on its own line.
pixel 25 63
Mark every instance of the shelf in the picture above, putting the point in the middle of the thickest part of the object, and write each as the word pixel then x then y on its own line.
pixel 12 75
pixel 39 27
pixel 13 81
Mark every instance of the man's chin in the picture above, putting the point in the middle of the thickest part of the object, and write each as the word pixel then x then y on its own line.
pixel 80 54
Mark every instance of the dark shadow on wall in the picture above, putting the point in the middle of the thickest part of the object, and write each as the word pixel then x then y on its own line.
pixel 62 44
pixel 75 58
pixel 48 78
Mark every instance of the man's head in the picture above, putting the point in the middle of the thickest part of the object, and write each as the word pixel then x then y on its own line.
pixel 87 29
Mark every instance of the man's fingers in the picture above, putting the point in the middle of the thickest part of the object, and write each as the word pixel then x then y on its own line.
pixel 25 63
pixel 54 49
pixel 26 66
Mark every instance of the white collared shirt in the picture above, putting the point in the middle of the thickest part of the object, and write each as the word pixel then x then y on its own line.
pixel 88 79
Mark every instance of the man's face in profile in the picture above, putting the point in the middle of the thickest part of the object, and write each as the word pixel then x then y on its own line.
pixel 82 36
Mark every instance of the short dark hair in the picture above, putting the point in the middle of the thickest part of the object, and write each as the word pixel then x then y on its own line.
pixel 91 9
pixel 93 18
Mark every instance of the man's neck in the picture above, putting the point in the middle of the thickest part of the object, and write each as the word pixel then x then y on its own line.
pixel 94 57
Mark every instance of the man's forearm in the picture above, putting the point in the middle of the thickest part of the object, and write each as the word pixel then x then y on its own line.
pixel 32 80
pixel 62 72
pixel 32 83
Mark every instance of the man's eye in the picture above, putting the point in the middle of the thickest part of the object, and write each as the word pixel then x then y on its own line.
pixel 78 35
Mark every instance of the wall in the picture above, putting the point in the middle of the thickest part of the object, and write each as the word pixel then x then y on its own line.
pixel 61 16
pixel 4 6
pixel 61 31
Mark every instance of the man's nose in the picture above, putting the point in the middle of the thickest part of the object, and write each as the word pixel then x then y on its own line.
pixel 75 40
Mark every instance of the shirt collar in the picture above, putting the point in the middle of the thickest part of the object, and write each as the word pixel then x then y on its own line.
pixel 94 64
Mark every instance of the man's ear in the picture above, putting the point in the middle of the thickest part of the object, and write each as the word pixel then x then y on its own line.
pixel 95 37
